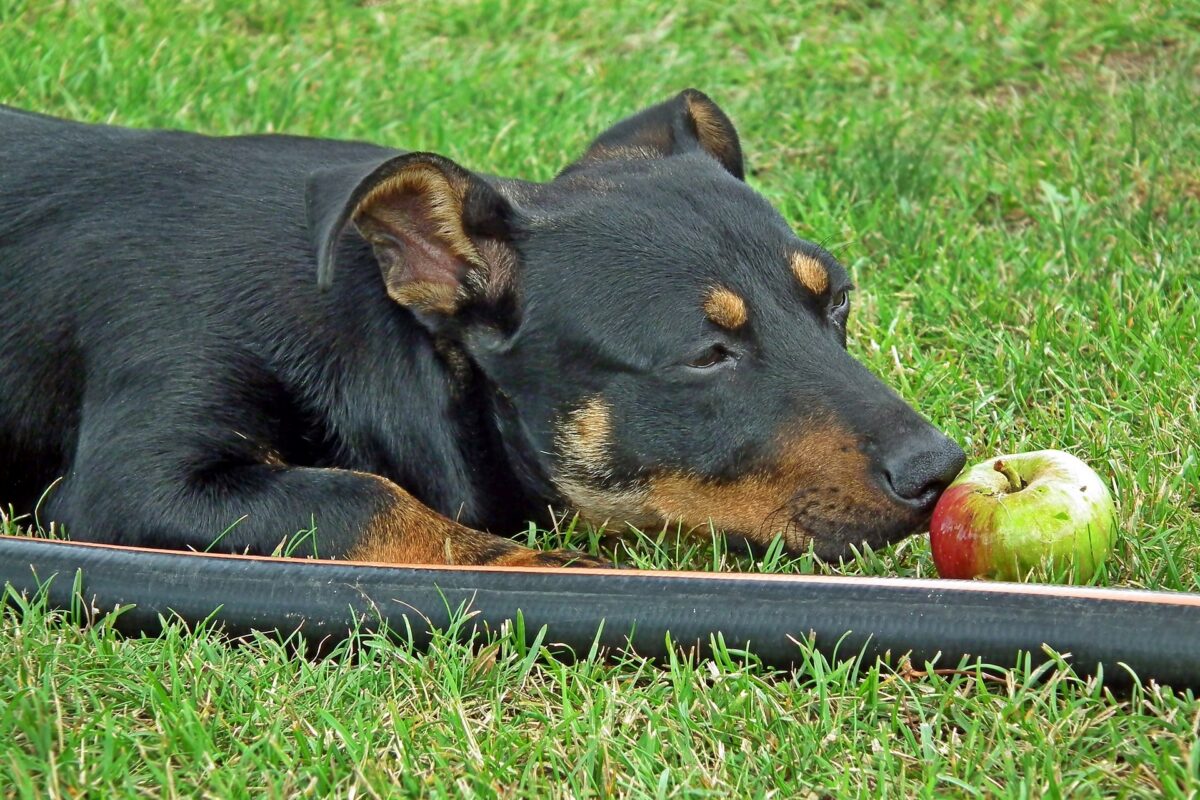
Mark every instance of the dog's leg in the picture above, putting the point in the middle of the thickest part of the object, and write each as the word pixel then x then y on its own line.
pixel 196 477
pixel 406 531
pixel 261 508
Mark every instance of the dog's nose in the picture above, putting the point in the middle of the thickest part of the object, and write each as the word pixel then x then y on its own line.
pixel 919 470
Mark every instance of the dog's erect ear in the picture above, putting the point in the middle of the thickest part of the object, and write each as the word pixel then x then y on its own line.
pixel 440 234
pixel 688 121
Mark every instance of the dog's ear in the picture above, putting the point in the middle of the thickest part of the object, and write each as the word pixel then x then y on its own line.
pixel 688 121
pixel 439 233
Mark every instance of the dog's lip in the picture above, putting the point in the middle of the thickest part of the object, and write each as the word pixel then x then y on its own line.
pixel 832 537
pixel 875 524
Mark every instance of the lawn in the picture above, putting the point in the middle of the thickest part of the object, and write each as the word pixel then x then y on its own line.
pixel 1016 191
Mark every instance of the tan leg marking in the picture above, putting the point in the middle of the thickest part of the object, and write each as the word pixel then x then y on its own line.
pixel 408 532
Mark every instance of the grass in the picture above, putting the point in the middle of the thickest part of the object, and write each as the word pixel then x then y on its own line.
pixel 1016 190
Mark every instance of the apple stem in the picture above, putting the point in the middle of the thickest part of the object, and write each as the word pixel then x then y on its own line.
pixel 1014 480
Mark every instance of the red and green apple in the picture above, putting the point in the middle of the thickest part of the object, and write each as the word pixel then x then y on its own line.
pixel 1004 516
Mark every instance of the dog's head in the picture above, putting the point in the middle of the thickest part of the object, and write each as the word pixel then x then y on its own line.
pixel 662 347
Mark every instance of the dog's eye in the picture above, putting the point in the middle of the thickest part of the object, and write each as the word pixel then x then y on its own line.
pixel 839 306
pixel 712 357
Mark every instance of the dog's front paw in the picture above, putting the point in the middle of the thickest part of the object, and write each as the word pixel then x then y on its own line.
pixel 557 558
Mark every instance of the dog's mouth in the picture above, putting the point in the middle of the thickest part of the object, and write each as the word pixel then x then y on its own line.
pixel 833 537
pixel 838 506
pixel 829 519
pixel 818 490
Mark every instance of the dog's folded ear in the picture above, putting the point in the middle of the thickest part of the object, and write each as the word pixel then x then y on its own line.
pixel 439 233
pixel 688 121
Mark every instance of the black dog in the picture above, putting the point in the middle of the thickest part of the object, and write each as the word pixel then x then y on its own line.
pixel 218 342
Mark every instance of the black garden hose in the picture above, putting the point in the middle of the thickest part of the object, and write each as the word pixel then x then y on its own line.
pixel 1155 635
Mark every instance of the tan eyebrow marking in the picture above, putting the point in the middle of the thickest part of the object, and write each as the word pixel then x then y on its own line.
pixel 810 272
pixel 725 308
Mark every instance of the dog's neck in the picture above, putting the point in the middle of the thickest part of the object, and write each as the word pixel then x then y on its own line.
pixel 411 407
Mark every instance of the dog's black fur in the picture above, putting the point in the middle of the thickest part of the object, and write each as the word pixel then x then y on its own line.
pixel 485 348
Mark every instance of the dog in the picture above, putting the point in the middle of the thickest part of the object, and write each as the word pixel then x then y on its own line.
pixel 213 343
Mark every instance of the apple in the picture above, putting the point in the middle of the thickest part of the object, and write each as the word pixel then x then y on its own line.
pixel 1003 516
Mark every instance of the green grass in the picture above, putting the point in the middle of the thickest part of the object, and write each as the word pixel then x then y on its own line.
pixel 1016 190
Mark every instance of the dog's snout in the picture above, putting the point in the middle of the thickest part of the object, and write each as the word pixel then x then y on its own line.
pixel 917 472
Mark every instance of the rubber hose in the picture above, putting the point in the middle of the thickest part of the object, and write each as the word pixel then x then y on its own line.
pixel 1153 635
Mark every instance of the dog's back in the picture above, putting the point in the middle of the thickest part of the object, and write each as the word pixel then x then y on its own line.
pixel 122 251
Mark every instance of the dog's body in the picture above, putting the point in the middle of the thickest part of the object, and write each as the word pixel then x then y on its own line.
pixel 168 357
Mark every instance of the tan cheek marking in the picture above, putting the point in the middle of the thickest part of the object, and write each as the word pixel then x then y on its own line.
pixel 810 272
pixel 725 308
pixel 759 506
pixel 584 442
pixel 738 506
pixel 588 430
